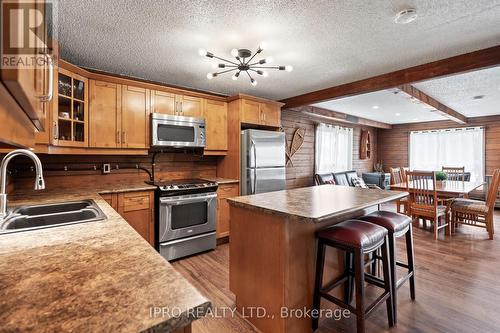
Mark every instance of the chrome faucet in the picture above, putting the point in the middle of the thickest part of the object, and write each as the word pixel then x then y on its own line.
pixel 39 182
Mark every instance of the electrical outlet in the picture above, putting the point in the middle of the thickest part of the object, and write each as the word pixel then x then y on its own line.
pixel 106 168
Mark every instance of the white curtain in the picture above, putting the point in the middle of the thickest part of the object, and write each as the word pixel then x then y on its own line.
pixel 431 150
pixel 333 148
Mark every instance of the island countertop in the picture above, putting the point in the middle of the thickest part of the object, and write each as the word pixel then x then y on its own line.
pixel 316 203
pixel 97 276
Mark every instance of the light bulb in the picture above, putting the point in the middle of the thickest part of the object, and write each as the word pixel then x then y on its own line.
pixel 234 52
pixel 265 74
pixel 289 68
pixel 235 76
pixel 202 52
pixel 262 46
pixel 210 76
pixel 254 82
pixel 214 66
pixel 269 60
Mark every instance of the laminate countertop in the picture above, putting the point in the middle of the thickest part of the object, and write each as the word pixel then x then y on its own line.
pixel 90 277
pixel 316 203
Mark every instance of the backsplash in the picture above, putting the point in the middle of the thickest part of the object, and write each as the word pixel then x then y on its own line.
pixel 74 170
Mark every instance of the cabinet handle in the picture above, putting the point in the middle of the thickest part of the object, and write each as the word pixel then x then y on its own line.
pixel 50 89
pixel 124 137
pixel 56 131
pixel 118 137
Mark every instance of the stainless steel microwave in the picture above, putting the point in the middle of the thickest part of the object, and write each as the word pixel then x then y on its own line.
pixel 177 131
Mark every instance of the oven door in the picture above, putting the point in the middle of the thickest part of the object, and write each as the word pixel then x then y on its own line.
pixel 187 215
pixel 177 132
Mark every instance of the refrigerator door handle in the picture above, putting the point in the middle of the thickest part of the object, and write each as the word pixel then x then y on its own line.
pixel 255 163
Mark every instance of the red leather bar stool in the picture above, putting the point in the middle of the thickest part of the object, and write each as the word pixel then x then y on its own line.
pixel 357 239
pixel 397 225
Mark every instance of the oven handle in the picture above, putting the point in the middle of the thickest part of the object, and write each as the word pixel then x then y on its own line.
pixel 179 200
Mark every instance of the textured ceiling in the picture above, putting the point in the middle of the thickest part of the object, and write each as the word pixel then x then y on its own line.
pixel 458 92
pixel 328 42
pixel 392 108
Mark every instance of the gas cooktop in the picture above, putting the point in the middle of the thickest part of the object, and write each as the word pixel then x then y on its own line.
pixel 184 186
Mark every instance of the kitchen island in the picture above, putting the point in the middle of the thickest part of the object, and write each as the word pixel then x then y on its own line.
pixel 273 249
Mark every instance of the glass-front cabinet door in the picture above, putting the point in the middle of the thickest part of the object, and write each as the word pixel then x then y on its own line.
pixel 70 117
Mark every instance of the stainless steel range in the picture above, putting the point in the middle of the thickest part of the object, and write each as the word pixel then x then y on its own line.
pixel 186 215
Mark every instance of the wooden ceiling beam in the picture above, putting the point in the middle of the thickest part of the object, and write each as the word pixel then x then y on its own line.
pixel 440 107
pixel 335 116
pixel 485 58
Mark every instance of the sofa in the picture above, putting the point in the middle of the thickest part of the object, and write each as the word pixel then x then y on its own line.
pixel 344 178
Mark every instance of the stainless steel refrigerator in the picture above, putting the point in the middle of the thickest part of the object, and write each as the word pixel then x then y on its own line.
pixel 262 161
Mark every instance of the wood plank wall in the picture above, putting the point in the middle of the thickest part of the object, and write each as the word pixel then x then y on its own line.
pixel 302 172
pixel 168 166
pixel 393 143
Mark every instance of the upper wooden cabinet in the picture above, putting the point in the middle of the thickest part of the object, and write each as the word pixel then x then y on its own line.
pixel 250 112
pixel 260 113
pixel 163 102
pixel 215 114
pixel 175 104
pixel 28 76
pixel 135 117
pixel 190 106
pixel 70 116
pixel 119 116
pixel 105 114
pixel 271 114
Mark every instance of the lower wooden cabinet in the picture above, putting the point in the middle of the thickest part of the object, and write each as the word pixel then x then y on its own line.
pixel 223 192
pixel 137 208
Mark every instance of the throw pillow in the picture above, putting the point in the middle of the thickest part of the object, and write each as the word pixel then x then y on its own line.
pixel 358 182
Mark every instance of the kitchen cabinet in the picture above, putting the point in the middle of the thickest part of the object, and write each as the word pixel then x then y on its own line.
pixel 163 102
pixel 271 114
pixel 215 114
pixel 70 117
pixel 137 208
pixel 105 114
pixel 260 113
pixel 28 77
pixel 119 116
pixel 190 106
pixel 176 104
pixel 250 112
pixel 135 117
pixel 223 192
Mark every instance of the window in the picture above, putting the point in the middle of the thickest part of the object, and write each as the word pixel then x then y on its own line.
pixel 333 148
pixel 457 147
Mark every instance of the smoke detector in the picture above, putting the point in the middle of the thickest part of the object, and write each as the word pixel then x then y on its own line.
pixel 406 16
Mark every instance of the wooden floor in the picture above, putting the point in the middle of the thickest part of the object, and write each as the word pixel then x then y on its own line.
pixel 458 287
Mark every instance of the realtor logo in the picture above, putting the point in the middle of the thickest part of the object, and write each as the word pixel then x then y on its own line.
pixel 24 33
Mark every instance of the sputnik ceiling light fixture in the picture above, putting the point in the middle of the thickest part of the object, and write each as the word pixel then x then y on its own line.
pixel 243 63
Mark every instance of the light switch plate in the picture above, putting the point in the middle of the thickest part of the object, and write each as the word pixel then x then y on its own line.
pixel 106 168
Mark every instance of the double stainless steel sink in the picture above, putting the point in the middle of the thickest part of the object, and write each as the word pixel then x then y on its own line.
pixel 51 215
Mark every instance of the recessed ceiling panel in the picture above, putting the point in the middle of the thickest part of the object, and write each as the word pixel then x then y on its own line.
pixel 388 106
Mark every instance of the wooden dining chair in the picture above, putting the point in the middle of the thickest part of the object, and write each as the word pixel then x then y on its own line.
pixel 475 212
pixel 404 170
pixel 424 202
pixel 397 178
pixel 454 173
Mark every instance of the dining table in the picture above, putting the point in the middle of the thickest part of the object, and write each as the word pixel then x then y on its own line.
pixel 445 188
